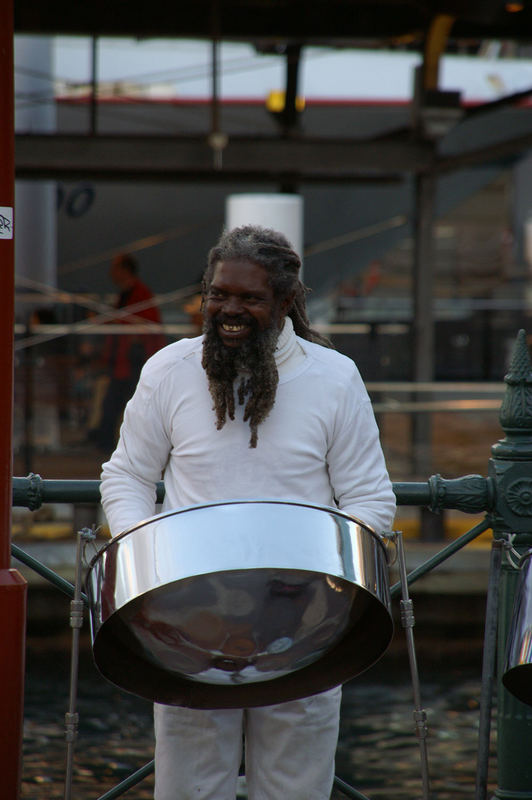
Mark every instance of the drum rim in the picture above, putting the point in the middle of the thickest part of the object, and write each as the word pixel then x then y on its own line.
pixel 243 501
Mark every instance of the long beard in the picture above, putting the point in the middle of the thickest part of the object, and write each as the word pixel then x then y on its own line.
pixel 257 387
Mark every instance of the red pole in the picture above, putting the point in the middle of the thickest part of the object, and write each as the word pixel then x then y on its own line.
pixel 12 584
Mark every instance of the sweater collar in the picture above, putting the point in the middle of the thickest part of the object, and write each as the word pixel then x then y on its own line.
pixel 285 340
pixel 288 352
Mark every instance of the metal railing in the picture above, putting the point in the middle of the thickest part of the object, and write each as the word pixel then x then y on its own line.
pixel 504 496
pixel 62 390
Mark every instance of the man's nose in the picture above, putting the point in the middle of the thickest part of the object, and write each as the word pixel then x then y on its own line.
pixel 232 305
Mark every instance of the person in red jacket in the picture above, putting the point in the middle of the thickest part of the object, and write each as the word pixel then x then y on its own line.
pixel 125 354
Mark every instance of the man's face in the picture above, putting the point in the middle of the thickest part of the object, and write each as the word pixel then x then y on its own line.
pixel 240 301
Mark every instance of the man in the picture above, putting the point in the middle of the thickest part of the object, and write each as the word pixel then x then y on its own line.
pixel 260 406
pixel 124 354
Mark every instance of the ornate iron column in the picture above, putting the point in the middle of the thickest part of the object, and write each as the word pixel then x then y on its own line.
pixel 511 472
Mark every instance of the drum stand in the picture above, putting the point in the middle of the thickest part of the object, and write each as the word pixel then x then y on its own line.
pixel 408 621
pixel 420 715
pixel 498 547
pixel 76 621
pixel 87 535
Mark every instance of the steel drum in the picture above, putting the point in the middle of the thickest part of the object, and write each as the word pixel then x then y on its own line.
pixel 517 677
pixel 239 604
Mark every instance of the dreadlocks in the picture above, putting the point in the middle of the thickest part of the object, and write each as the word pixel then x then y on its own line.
pixel 255 357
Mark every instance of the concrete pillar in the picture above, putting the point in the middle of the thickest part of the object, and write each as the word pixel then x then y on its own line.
pixel 35 201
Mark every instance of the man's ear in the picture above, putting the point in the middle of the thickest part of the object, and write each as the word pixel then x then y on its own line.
pixel 287 304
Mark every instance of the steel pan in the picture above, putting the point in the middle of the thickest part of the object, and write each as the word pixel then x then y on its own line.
pixel 517 677
pixel 239 604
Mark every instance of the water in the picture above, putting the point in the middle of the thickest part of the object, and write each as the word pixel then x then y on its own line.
pixel 378 752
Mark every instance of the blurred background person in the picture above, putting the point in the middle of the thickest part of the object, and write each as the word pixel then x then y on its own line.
pixel 124 354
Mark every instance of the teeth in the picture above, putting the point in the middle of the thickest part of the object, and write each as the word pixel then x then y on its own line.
pixel 232 328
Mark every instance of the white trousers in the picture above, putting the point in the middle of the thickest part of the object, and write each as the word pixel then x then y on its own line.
pixel 289 750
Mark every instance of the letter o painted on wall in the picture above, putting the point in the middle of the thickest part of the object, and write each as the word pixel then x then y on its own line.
pixel 79 200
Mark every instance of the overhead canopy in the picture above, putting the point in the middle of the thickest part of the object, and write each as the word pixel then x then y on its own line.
pixel 311 154
pixel 318 21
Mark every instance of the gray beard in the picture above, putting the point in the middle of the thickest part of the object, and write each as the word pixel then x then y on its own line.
pixel 257 387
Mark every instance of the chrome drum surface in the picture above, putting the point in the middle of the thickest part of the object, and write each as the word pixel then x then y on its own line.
pixel 239 604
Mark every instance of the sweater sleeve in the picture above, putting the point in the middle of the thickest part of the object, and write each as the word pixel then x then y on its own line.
pixel 129 478
pixel 355 459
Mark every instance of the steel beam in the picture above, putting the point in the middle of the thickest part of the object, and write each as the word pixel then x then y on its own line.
pixel 244 158
pixel 483 155
pixel 423 280
pixel 322 21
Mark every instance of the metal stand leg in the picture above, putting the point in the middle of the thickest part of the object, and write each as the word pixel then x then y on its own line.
pixel 76 622
pixel 407 619
pixel 488 670
pixel 348 790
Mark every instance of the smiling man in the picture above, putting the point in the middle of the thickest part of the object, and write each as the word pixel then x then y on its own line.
pixel 259 406
pixel 243 319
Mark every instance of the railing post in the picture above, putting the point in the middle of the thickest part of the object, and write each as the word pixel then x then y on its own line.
pixel 511 473
pixel 12 585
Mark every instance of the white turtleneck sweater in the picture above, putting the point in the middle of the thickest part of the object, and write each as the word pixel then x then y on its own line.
pixel 319 444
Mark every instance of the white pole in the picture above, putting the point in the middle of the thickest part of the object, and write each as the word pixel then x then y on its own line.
pixel 282 212
pixel 35 201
